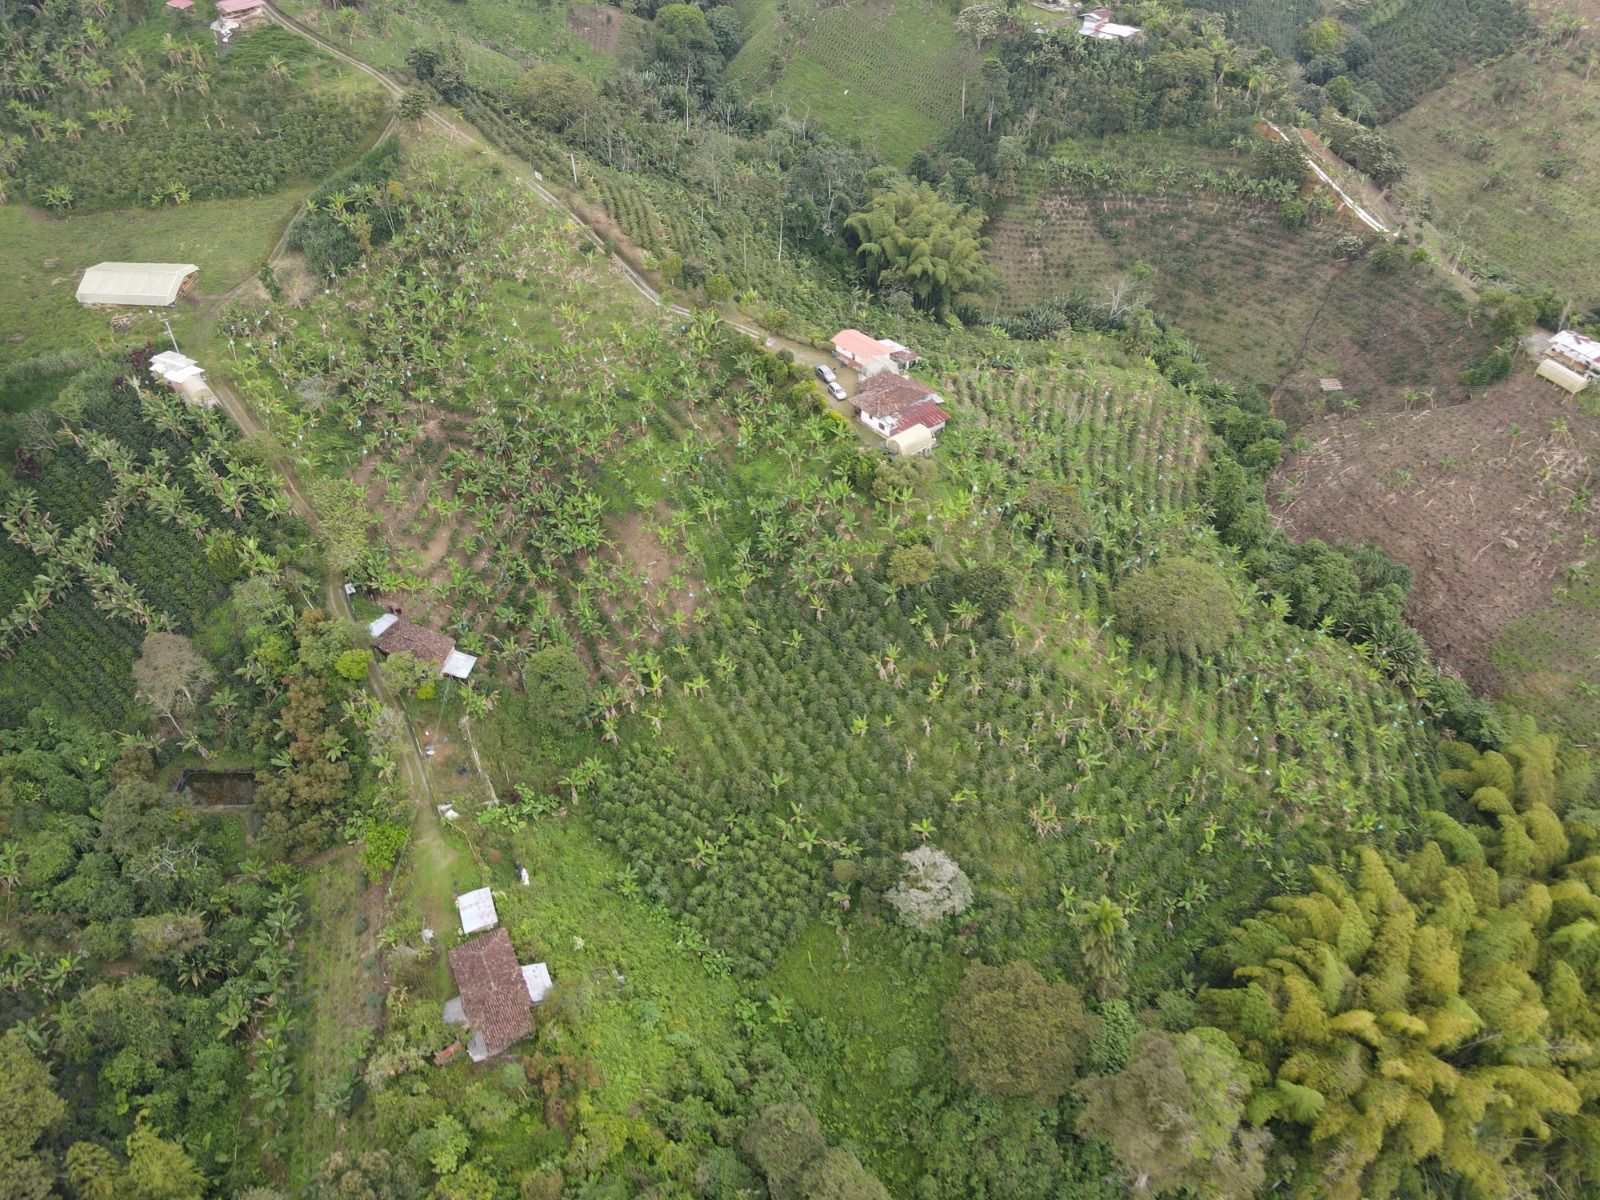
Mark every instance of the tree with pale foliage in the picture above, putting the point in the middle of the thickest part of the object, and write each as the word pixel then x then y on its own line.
pixel 930 888
pixel 1174 1117
pixel 171 676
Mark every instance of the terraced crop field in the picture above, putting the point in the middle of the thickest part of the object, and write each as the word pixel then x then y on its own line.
pixel 886 73
pixel 1270 307
pixel 1508 157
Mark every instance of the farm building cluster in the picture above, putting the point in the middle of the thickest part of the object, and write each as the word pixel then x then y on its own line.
pixel 1570 361
pixel 906 414
pixel 184 376
pixel 497 993
pixel 1095 23
pixel 391 635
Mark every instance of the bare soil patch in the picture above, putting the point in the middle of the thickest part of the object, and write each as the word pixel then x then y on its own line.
pixel 1483 500
pixel 602 28
pixel 639 548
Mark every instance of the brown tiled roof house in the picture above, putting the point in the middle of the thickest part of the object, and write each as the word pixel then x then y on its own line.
pixel 427 644
pixel 494 995
pixel 885 395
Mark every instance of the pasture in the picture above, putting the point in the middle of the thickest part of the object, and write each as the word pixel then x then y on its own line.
pixel 888 76
pixel 45 255
pixel 498 41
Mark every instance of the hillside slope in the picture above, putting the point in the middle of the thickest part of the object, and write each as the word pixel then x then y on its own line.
pixel 885 73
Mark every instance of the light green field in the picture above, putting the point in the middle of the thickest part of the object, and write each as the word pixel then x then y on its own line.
pixel 1509 156
pixel 886 74
pixel 498 40
pixel 45 255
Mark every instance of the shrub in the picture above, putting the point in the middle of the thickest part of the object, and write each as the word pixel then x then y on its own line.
pixel 384 842
pixel 1178 605
pixel 1014 1034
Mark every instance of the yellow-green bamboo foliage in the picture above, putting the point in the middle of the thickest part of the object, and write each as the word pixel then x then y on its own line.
pixel 1429 1026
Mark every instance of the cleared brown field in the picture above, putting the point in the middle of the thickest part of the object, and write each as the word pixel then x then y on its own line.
pixel 1490 504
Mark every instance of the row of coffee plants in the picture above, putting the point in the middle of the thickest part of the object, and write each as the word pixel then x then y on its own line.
pixel 138 519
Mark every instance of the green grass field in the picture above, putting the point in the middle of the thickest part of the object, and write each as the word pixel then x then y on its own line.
pixel 44 255
pixel 498 40
pixel 886 75
pixel 1508 157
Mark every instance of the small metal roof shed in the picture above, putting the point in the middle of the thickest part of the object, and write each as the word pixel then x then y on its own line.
pixel 381 626
pixel 537 978
pixel 458 665
pixel 477 911
pixel 1563 377
pixel 155 284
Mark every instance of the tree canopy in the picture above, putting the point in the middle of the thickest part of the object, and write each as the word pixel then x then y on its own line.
pixel 915 240
pixel 1012 1033
pixel 1177 605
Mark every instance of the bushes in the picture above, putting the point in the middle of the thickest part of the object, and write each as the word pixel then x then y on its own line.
pixel 1363 148
pixel 1177 606
pixel 1014 1034
pixel 350 213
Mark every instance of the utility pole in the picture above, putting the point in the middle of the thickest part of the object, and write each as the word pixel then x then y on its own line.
pixel 573 158
pixel 168 324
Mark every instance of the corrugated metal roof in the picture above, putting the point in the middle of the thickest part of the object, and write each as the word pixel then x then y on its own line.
pixel 537 978
pixel 134 283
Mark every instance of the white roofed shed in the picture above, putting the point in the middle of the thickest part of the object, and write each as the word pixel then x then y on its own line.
pixel 154 284
pixel 458 665
pixel 1565 378
pixel 382 625
pixel 477 911
pixel 537 977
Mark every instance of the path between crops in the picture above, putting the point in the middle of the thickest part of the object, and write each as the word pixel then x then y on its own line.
pixel 462 133
pixel 1370 221
pixel 425 828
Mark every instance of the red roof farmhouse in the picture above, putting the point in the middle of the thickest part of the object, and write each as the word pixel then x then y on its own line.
pixel 494 996
pixel 894 406
pixel 866 355
pixel 496 993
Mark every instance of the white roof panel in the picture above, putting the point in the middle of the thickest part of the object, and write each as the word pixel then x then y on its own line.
pixel 1571 342
pixel 134 283
pixel 458 665
pixel 477 911
pixel 537 977
pixel 913 439
pixel 381 626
